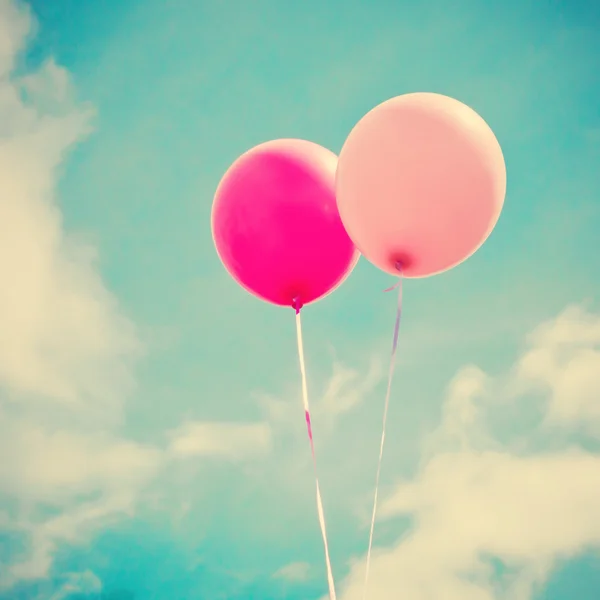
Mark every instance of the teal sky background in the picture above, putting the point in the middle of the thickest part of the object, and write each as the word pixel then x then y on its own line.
pixel 179 90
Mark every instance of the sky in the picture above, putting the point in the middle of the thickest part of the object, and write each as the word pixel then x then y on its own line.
pixel 152 442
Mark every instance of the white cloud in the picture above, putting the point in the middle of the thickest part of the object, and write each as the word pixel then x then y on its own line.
pixel 475 504
pixel 66 484
pixel 63 337
pixel 78 583
pixel 53 466
pixel 66 349
pixel 235 441
pixel 346 389
pixel 462 425
pixel 74 524
pixel 14 26
pixel 563 358
pixel 343 391
pixel 294 572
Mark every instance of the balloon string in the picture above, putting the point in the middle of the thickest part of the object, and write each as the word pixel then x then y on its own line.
pixel 330 582
pixel 385 415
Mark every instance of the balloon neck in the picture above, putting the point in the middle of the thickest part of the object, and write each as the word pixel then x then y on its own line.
pixel 401 261
pixel 297 304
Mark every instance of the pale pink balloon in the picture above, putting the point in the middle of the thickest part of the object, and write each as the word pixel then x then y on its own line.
pixel 420 184
pixel 276 225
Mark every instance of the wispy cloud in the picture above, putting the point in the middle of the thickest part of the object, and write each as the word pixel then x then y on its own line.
pixel 235 441
pixel 294 572
pixel 66 349
pixel 64 336
pixel 346 389
pixel 563 360
pixel 488 521
pixel 339 393
pixel 54 466
pixel 78 583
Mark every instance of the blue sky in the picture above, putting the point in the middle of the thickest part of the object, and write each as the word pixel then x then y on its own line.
pixel 151 435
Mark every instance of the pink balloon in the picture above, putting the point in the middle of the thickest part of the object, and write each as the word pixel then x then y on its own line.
pixel 420 184
pixel 276 225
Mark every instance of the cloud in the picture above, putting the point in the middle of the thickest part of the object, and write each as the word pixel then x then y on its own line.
pixel 15 23
pixel 64 338
pixel 234 441
pixel 53 466
pixel 563 359
pixel 343 391
pixel 489 522
pixel 294 572
pixel 66 349
pixel 66 485
pixel 346 389
pixel 79 583
pixel 72 525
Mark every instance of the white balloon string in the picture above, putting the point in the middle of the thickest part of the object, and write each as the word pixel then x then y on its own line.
pixel 385 416
pixel 330 582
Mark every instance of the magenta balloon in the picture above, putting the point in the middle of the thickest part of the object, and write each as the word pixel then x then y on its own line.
pixel 276 226
pixel 420 183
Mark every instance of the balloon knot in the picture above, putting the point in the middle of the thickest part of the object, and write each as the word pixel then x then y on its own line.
pixel 400 261
pixel 297 304
pixel 398 265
